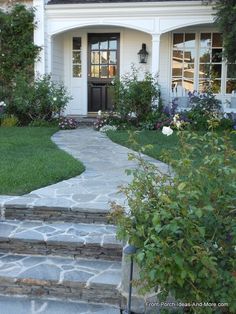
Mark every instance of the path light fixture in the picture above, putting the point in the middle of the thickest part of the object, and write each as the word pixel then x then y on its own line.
pixel 143 54
pixel 129 250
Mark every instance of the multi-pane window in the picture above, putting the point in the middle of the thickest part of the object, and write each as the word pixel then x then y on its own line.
pixel 210 61
pixel 183 60
pixel 103 57
pixel 197 62
pixel 76 57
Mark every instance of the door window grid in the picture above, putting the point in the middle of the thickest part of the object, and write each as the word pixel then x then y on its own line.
pixel 104 58
pixel 197 60
pixel 76 57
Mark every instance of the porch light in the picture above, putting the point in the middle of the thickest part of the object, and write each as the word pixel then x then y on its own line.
pixel 143 54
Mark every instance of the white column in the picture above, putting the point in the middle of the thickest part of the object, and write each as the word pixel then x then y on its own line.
pixel 48 66
pixel 39 39
pixel 155 53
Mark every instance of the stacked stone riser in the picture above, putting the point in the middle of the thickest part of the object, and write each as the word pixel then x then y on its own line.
pixel 56 214
pixel 93 294
pixel 63 249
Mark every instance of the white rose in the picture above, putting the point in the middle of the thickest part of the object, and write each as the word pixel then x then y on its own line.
pixel 166 130
pixel 99 112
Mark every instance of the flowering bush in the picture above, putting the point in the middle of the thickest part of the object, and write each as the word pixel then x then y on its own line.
pixel 184 225
pixel 68 123
pixel 42 100
pixel 113 119
pixel 107 128
pixel 204 107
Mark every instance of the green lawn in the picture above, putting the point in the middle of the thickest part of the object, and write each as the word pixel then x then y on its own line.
pixel 156 139
pixel 30 160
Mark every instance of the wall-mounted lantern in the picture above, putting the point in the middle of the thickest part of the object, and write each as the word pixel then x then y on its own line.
pixel 143 54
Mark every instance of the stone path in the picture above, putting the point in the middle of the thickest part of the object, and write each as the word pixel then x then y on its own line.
pixel 56 241
pixel 105 164
pixel 13 305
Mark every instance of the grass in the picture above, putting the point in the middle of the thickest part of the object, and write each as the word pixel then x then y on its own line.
pixel 30 160
pixel 153 141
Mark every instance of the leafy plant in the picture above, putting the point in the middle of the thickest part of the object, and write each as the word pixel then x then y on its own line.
pixel 42 100
pixel 9 121
pixel 17 50
pixel 183 223
pixel 204 107
pixel 225 12
pixel 134 97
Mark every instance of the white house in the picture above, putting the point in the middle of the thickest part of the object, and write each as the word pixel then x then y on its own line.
pixel 86 43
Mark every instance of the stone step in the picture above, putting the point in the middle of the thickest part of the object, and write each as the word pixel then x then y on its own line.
pixel 61 239
pixel 26 208
pixel 94 281
pixel 25 305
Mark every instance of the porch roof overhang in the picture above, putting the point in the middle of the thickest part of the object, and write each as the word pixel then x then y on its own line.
pixel 152 17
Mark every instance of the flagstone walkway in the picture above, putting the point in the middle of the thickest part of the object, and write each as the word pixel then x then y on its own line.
pixel 55 242
pixel 105 164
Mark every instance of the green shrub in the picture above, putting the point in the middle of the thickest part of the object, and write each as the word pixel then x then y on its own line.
pixel 204 107
pixel 184 225
pixel 134 97
pixel 43 99
pixel 9 121
pixel 17 50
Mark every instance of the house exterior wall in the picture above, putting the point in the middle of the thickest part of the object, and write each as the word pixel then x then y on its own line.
pixel 149 22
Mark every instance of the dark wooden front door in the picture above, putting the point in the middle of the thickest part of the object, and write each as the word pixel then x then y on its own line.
pixel 103 67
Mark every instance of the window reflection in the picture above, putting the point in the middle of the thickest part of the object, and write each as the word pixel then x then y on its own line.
pixel 184 54
pixel 76 57
pixel 103 57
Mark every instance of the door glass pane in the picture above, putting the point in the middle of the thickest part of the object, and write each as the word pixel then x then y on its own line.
pixel 77 70
pixel 104 44
pixel 103 57
pixel 94 71
pixel 113 44
pixel 94 44
pixel 76 43
pixel 104 71
pixel 95 57
pixel 112 71
pixel 112 57
pixel 76 57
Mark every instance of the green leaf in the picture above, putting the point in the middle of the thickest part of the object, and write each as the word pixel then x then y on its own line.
pixel 181 186
pixel 198 213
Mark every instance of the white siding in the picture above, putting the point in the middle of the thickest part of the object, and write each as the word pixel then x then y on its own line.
pixel 58 58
